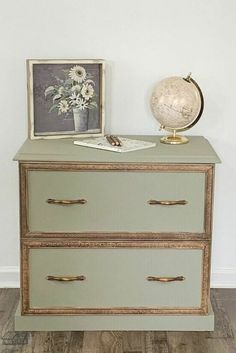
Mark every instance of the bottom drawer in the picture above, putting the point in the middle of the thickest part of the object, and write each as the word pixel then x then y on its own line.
pixel 76 277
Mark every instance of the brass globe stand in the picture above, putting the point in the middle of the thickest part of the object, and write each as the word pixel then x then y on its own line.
pixel 174 139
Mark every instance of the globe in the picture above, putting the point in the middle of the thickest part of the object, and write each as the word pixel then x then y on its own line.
pixel 177 103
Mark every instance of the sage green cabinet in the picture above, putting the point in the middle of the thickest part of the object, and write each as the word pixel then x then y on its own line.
pixel 109 236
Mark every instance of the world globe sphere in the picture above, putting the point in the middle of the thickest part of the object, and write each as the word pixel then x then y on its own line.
pixel 177 104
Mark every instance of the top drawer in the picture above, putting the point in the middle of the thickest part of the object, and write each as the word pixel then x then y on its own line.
pixel 121 199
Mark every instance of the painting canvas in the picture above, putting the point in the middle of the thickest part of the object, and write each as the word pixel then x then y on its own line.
pixel 65 98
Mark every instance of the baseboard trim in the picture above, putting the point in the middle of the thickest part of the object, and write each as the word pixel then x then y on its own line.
pixel 220 278
pixel 9 277
pixel 223 278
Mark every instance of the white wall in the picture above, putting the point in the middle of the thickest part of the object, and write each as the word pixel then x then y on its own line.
pixel 143 42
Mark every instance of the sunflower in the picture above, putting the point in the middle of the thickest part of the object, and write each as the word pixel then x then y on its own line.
pixel 63 106
pixel 77 73
pixel 87 91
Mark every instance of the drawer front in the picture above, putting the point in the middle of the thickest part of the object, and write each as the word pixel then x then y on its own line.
pixel 125 279
pixel 115 201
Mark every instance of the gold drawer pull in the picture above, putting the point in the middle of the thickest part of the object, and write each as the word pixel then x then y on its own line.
pixel 165 279
pixel 66 278
pixel 66 202
pixel 167 202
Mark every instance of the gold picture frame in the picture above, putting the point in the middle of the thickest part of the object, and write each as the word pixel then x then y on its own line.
pixel 66 98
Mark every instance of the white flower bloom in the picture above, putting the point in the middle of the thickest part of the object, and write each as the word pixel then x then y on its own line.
pixel 87 91
pixel 73 99
pixel 75 88
pixel 63 106
pixel 77 73
pixel 82 104
pixel 61 90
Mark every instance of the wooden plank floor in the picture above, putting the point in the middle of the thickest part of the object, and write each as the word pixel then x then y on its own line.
pixel 222 340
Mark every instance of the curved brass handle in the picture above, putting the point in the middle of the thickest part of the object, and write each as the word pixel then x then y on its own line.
pixel 66 278
pixel 66 202
pixel 165 279
pixel 167 202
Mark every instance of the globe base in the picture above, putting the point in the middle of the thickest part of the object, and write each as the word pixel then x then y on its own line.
pixel 174 139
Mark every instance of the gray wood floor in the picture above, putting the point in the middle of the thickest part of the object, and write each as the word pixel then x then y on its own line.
pixel 222 340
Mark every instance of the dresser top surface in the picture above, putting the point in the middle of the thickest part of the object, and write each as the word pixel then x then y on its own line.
pixel 197 150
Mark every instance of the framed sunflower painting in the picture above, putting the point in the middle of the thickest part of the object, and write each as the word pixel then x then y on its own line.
pixel 65 98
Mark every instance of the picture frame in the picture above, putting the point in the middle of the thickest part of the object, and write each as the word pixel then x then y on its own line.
pixel 65 98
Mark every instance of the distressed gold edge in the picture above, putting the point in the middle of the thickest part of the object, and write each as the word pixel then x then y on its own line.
pixel 118 235
pixel 206 277
pixel 38 244
pixel 116 311
pixel 72 243
pixel 68 166
pixel 24 278
pixel 209 194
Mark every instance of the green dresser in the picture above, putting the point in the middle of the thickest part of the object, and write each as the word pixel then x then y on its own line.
pixel 107 238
